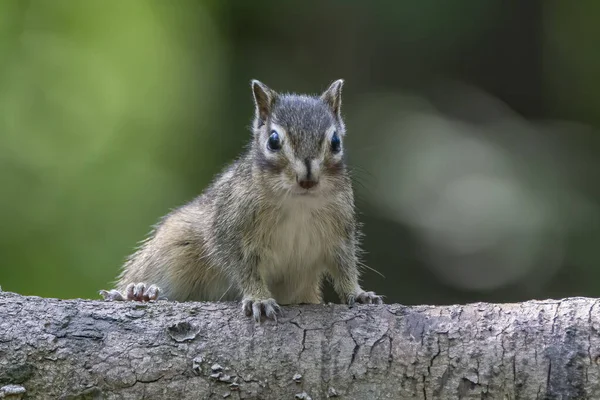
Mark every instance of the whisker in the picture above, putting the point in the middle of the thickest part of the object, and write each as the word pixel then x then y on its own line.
pixel 361 170
pixel 223 295
pixel 372 269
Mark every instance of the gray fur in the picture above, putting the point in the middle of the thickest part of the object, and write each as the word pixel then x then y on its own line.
pixel 253 234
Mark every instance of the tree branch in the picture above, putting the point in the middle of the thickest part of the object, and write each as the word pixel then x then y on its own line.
pixel 80 349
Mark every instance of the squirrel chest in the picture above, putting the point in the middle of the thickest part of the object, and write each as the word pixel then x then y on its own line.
pixel 298 241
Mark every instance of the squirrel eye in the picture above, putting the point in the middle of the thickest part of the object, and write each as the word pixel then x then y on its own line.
pixel 274 142
pixel 336 143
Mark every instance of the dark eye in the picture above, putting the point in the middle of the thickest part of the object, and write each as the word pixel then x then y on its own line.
pixel 336 143
pixel 274 142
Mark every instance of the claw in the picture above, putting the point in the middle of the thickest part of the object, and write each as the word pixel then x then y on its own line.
pixel 139 290
pixel 351 300
pixel 256 311
pixel 152 293
pixel 257 308
pixel 111 295
pixel 247 308
pixel 364 298
pixel 129 291
pixel 133 292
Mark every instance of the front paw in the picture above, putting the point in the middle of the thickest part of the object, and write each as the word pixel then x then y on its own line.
pixel 258 307
pixel 133 292
pixel 364 298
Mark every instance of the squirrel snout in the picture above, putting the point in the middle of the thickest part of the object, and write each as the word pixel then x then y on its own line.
pixel 307 183
pixel 307 174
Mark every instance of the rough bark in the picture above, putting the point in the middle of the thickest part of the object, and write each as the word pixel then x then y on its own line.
pixel 81 349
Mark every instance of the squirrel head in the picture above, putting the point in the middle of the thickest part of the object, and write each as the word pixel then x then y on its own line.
pixel 298 139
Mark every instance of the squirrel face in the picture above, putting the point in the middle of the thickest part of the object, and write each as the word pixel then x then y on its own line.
pixel 298 140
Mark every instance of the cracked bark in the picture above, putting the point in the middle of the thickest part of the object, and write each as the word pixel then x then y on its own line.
pixel 82 349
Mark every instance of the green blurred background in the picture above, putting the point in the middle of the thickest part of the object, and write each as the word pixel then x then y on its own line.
pixel 472 133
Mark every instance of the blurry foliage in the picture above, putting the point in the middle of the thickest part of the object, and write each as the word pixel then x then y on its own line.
pixel 93 93
pixel 113 112
pixel 571 59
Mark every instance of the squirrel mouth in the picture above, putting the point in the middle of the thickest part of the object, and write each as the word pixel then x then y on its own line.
pixel 304 192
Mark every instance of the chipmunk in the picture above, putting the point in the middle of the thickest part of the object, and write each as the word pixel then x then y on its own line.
pixel 271 227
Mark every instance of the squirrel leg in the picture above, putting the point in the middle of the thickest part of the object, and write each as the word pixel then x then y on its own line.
pixel 257 299
pixel 344 276
pixel 350 292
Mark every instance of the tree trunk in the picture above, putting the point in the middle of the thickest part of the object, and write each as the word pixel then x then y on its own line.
pixel 81 349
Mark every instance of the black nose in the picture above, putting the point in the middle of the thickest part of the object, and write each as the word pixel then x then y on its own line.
pixel 307 183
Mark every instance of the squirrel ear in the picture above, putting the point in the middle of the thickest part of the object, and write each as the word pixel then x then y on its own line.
pixel 263 99
pixel 333 96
